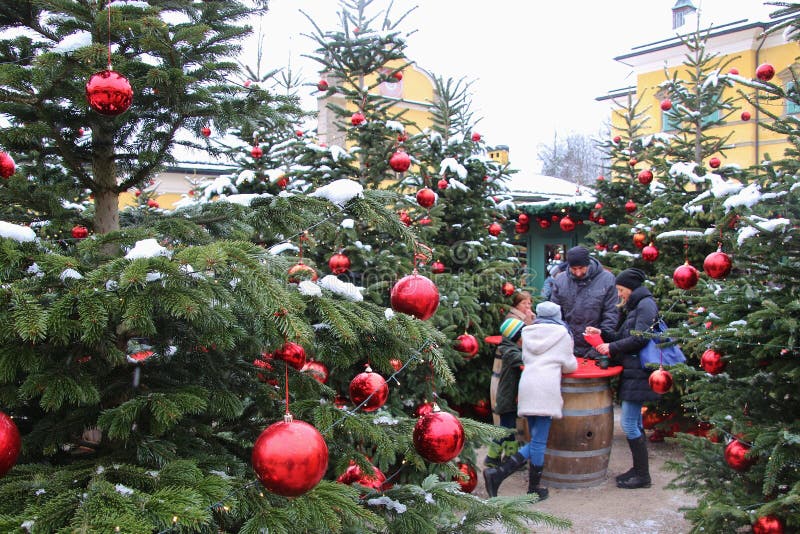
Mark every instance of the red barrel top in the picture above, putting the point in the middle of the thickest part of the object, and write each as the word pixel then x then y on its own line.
pixel 589 369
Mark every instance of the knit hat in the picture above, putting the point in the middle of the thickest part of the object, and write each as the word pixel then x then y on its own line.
pixel 631 278
pixel 548 310
pixel 578 257
pixel 511 328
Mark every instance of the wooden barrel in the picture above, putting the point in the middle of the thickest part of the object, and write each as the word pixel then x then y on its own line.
pixel 579 444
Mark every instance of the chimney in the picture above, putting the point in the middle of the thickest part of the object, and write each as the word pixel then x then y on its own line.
pixel 679 12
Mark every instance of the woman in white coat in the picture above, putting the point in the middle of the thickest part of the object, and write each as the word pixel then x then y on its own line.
pixel 547 353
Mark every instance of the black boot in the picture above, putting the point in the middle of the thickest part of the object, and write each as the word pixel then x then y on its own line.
pixel 641 477
pixel 626 475
pixel 493 477
pixel 534 476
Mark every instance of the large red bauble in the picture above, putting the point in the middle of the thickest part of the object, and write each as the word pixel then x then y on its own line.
pixel 507 289
pixel 79 232
pixel 290 458
pixel 645 176
pixel 468 344
pixel 717 264
pixel 415 295
pixel 10 443
pixel 426 197
pixel 711 361
pixel 523 218
pixel 495 229
pixel 317 370
pixel 357 118
pixel 354 474
pixel 339 263
pixel 469 480
pixel 369 385
pixel 400 161
pixel 714 162
pixel 300 271
pixel 567 224
pixel 322 85
pixel 650 253
pixel 630 206
pixel 206 131
pixel 660 381
pixel 745 115
pixel 438 436
pixel 256 152
pixel 666 104
pixel 7 165
pixel 685 276
pixel 437 267
pixel 765 72
pixel 735 455
pixel 768 524
pixel 293 354
pixel 476 136
pixel 109 93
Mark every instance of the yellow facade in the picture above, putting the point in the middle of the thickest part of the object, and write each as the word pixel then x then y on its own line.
pixel 747 47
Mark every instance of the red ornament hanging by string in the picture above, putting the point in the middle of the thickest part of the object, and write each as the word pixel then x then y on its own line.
pixel 717 264
pixel 354 475
pixel 714 163
pixel 495 229
pixel 290 457
pixel 666 104
pixel 369 385
pixel 322 85
pixel 357 118
pixel 630 206
pixel 712 363
pixel 639 239
pixel 660 380
pixel 300 271
pixel 468 479
pixel 437 267
pixel 650 253
pixel 425 221
pixel 521 228
pixel 567 224
pixel 544 223
pixel 736 455
pixel 507 289
pixel 765 72
pixel 523 218
pixel 404 218
pixel 468 344
pixel 400 161
pixel 317 370
pixel 206 131
pixel 476 137
pixel 10 443
pixel 768 524
pixel 426 197
pixel 339 263
pixel 256 152
pixel 415 295
pixel 442 183
pixel 685 276
pixel 645 176
pixel 109 93
pixel 438 436
pixel 7 165
pixel 293 354
pixel 745 116
pixel 482 408
pixel 79 232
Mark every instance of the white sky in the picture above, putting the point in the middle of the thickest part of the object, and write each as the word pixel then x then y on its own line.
pixel 537 66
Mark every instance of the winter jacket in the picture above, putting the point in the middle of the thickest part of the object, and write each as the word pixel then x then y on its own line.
pixel 588 301
pixel 506 400
pixel 640 313
pixel 547 352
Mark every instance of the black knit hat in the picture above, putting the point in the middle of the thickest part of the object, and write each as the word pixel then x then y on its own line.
pixel 578 257
pixel 631 278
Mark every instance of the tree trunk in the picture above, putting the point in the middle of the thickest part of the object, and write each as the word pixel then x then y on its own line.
pixel 106 194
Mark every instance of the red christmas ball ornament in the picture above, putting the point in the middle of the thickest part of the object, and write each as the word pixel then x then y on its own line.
pixel 322 85
pixel 717 264
pixel 615 247
pixel 507 289
pixel 567 224
pixel 521 228
pixel 639 239
pixel 712 363
pixel 339 263
pixel 415 295
pixel 317 370
pixel 152 203
pixel 714 162
pixel 10 443
pixel 666 104
pixel 734 71
pixel 437 267
pixel 290 457
pixel 645 176
pixel 554 218
pixel 495 229
pixel 282 182
pixel 660 380
pixel 426 197
pixel 442 184
pixel 476 136
pixel 109 93
pixel 206 131
pixel 468 480
pixel 482 408
pixel 438 436
pixel 468 344
pixel 424 409
pixel 396 364
pixel 80 232
pixel 404 218
pixel 398 75
pixel 765 72
pixel 685 276
pixel 523 218
pixel 425 221
pixel 298 133
pixel 300 271
pixel 601 178
pixel 632 162
pixel 544 223
pixel 354 474
pixel 736 455
pixel 248 83
pixel 630 206
pixel 400 161
pixel 293 354
pixel 256 152
pixel 7 165
pixel 768 524
pixel 357 118
pixel 369 385
pixel 745 115
pixel 650 253
pixel 617 139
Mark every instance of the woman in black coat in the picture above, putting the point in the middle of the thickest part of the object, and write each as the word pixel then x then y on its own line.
pixel 640 313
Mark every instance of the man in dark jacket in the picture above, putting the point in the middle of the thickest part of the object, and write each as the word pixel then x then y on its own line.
pixel 587 295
